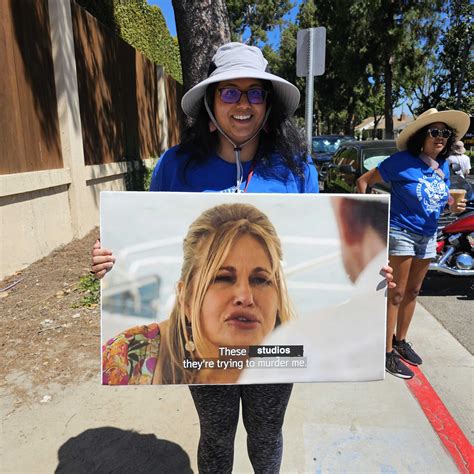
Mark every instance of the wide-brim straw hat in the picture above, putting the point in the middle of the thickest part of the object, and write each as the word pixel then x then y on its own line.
pixel 452 118
pixel 239 61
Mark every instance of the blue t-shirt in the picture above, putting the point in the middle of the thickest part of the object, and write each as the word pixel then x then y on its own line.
pixel 418 193
pixel 216 175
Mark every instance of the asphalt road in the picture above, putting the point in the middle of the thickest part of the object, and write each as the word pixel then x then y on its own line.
pixel 450 300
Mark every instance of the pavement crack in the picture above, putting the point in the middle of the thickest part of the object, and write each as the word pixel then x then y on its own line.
pixel 67 422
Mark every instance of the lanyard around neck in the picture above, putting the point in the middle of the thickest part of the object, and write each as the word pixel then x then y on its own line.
pixel 249 176
pixel 433 164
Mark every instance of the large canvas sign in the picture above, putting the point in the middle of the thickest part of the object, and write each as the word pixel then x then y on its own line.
pixel 243 288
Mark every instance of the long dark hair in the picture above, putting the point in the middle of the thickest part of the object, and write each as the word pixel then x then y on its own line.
pixel 279 136
pixel 416 141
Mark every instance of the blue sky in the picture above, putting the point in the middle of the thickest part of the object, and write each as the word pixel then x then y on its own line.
pixel 166 8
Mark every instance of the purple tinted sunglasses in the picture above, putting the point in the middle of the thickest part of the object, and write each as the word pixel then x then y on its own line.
pixel 232 95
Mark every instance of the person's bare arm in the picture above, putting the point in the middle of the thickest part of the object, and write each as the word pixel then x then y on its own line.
pixel 102 260
pixel 368 179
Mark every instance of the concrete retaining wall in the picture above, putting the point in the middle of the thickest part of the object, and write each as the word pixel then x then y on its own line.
pixel 42 210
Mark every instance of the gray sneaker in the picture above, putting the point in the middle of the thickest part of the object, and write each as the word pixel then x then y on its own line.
pixel 394 366
pixel 406 352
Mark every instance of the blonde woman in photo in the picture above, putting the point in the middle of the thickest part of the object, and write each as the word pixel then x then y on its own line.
pixel 231 292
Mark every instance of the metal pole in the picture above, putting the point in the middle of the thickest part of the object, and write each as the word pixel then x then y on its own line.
pixel 309 93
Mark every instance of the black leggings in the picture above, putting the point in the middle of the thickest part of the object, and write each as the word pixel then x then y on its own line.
pixel 263 411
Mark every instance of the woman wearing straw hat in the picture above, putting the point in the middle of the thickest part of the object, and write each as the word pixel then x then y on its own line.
pixel 419 177
pixel 241 140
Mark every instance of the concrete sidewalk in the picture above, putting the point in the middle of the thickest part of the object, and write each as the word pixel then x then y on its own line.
pixel 353 427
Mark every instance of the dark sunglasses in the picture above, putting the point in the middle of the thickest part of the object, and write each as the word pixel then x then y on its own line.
pixel 232 95
pixel 436 132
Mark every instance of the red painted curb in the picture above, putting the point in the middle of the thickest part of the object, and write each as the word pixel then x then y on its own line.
pixel 446 428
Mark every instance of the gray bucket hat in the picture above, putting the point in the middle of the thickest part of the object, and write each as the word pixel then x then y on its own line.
pixel 458 148
pixel 239 61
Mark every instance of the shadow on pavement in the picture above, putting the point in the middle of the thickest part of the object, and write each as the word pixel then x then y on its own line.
pixel 114 450
pixel 438 284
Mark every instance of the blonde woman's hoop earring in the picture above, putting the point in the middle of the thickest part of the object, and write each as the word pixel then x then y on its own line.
pixel 190 346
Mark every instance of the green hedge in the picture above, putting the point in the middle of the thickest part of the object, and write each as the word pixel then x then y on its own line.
pixel 143 27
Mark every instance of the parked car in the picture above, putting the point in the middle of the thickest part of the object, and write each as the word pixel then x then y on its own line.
pixel 324 147
pixel 353 159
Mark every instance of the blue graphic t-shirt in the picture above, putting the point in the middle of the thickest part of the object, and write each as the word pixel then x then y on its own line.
pixel 216 175
pixel 418 193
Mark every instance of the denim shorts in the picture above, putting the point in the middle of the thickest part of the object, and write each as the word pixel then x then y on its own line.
pixel 405 243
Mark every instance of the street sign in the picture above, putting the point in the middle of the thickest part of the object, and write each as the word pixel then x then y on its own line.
pixel 303 49
pixel 310 59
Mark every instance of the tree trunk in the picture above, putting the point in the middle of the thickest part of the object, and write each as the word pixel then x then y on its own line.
pixel 389 25
pixel 348 124
pixel 464 62
pixel 202 26
pixel 376 124
pixel 388 108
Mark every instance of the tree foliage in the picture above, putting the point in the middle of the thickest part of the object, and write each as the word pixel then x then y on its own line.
pixel 377 53
pixel 336 92
pixel 401 36
pixel 451 73
pixel 259 17
pixel 457 65
pixel 142 26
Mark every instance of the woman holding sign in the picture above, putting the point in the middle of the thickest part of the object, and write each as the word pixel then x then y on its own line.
pixel 231 293
pixel 242 140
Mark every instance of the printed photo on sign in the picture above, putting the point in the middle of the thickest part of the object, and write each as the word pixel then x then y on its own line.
pixel 243 288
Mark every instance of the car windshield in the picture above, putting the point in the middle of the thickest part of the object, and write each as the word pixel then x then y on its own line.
pixel 326 145
pixel 374 156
